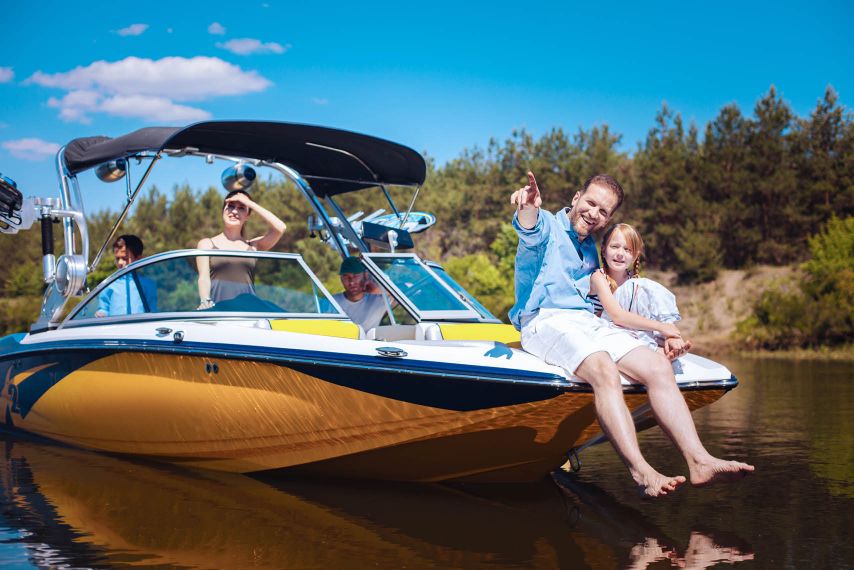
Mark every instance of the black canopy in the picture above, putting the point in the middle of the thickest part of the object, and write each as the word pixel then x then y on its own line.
pixel 314 152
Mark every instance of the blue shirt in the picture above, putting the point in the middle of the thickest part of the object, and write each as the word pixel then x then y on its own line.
pixel 553 267
pixel 121 297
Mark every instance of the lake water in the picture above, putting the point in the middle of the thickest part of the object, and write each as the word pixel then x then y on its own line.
pixel 64 508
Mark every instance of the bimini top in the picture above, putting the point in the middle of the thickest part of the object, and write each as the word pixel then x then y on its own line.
pixel 334 161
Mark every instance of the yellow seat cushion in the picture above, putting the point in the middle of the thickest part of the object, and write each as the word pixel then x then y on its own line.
pixel 322 327
pixel 480 331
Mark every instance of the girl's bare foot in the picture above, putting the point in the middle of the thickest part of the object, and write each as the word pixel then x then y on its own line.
pixel 714 470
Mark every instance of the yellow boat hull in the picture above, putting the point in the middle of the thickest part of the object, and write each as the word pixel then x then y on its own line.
pixel 249 416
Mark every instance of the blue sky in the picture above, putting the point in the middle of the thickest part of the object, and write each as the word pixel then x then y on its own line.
pixel 436 76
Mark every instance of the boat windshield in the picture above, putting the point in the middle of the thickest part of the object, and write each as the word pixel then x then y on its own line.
pixel 419 288
pixel 484 312
pixel 238 283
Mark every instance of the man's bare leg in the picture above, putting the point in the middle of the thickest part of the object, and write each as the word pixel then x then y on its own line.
pixel 601 373
pixel 674 417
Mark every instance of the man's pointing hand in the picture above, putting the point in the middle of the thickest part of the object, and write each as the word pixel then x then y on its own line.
pixel 528 196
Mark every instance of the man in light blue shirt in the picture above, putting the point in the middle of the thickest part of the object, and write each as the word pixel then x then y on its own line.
pixel 129 294
pixel 554 261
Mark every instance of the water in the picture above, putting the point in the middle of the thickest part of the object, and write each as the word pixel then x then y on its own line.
pixel 73 509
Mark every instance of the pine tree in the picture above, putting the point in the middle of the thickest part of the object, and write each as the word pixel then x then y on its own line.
pixel 772 189
pixel 666 168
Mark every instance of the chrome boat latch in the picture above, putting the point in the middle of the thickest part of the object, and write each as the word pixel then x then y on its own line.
pixel 177 337
pixel 391 352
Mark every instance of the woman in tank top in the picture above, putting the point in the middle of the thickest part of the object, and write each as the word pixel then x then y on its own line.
pixel 223 278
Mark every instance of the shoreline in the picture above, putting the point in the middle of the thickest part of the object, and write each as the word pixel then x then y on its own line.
pixel 837 354
pixel 717 348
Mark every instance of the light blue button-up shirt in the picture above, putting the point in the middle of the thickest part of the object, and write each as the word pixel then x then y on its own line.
pixel 553 267
pixel 121 297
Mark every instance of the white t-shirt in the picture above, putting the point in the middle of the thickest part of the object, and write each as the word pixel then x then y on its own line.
pixel 367 312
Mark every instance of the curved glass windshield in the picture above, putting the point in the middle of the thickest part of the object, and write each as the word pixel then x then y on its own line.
pixel 440 271
pixel 234 284
pixel 415 281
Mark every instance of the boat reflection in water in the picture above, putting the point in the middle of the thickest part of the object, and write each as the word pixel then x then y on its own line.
pixel 81 509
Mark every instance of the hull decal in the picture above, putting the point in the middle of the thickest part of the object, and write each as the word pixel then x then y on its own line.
pixel 455 394
pixel 26 380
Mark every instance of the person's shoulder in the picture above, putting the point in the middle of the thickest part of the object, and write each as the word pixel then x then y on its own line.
pixel 205 243
pixel 648 284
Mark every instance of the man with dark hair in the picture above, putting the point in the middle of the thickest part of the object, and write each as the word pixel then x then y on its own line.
pixel 128 294
pixel 555 259
pixel 361 299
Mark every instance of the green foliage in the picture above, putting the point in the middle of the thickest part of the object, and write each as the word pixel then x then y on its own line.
pixel 820 311
pixel 832 256
pixel 666 187
pixel 698 252
pixel 504 249
pixel 490 278
pixel 24 280
pixel 323 260
pixel 18 313
pixel 480 276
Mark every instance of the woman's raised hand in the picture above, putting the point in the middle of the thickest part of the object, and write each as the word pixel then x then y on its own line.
pixel 241 198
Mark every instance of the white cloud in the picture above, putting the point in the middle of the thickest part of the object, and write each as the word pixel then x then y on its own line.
pixel 246 46
pixel 153 85
pixel 151 108
pixel 183 79
pixel 320 100
pixel 31 148
pixel 169 30
pixel 76 105
pixel 133 30
pixel 216 29
pixel 7 74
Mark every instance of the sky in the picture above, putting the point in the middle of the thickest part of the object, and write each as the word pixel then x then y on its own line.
pixel 439 77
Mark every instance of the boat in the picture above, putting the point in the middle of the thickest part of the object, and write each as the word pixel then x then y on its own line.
pixel 281 380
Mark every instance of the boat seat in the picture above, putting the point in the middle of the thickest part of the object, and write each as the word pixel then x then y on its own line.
pixel 419 331
pixel 321 327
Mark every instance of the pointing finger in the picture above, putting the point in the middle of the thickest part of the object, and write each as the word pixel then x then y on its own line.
pixel 532 182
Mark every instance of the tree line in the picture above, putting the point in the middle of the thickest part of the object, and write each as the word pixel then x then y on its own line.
pixel 742 190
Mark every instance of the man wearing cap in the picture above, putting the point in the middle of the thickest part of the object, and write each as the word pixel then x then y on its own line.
pixel 361 299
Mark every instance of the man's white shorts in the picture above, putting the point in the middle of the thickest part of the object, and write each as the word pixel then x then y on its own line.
pixel 566 337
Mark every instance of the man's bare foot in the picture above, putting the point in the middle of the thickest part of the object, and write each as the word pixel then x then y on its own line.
pixel 715 470
pixel 653 484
